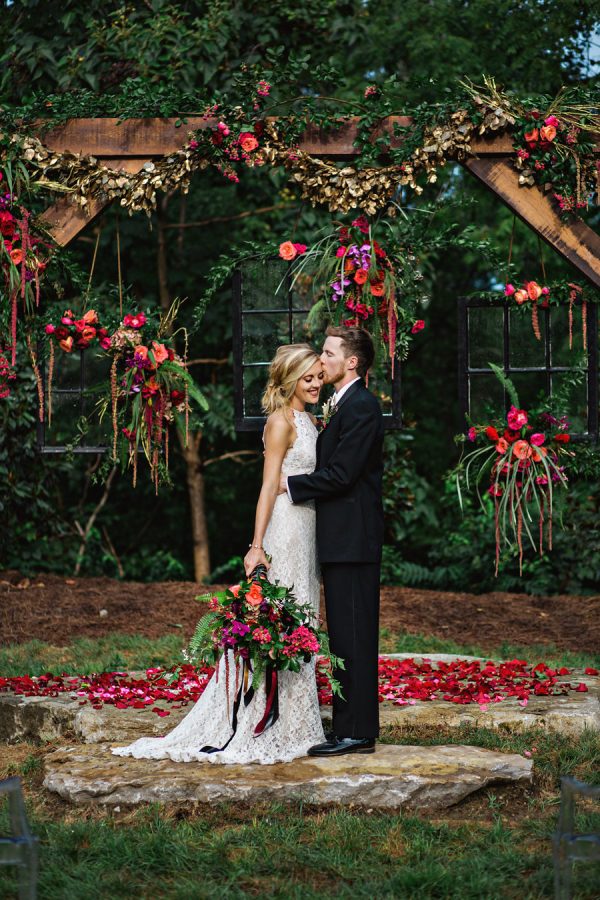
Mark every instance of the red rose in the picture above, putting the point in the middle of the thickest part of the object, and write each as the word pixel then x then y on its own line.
pixel 492 433
pixel 562 438
pixel 177 397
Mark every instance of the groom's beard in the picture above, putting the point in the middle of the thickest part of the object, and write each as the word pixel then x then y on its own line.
pixel 334 377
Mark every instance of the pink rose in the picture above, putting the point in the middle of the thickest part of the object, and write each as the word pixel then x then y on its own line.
pixel 509 290
pixel 247 141
pixel 537 439
pixel 418 326
pixel 50 329
pixel 300 249
pixel 472 433
pixel 516 418
pixel 160 353
pixel 552 120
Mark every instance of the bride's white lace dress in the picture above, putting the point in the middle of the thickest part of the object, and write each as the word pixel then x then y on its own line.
pixel 290 540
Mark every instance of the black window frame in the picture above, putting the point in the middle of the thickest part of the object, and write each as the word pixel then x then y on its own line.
pixel 465 370
pixel 243 422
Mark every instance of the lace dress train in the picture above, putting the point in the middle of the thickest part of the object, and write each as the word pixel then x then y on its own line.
pixel 290 540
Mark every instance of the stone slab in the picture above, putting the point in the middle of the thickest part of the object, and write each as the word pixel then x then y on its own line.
pixel 395 777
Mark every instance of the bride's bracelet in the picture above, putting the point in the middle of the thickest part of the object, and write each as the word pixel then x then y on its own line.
pixel 256 546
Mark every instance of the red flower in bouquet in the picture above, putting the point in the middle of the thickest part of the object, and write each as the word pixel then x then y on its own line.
pixel 135 320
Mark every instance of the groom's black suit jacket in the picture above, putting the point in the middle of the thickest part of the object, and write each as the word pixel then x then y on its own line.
pixel 347 483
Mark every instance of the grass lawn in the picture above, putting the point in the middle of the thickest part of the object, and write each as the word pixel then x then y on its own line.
pixel 494 845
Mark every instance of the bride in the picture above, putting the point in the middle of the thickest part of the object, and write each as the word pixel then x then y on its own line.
pixel 286 533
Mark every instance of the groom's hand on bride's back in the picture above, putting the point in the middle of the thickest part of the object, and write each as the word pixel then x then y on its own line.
pixel 282 485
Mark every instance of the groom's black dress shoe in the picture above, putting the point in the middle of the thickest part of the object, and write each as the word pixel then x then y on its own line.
pixel 337 746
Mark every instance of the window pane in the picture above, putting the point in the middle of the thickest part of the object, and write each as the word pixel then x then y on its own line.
pixel 486 397
pixel 255 380
pixel 260 281
pixel 570 389
pixel 486 336
pixel 66 369
pixel 66 413
pixel 380 383
pixel 561 354
pixel 301 334
pixel 262 334
pixel 525 349
pixel 531 388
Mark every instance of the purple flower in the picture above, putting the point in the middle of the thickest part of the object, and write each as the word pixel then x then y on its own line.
pixel 240 628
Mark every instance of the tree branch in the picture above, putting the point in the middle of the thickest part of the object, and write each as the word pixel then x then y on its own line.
pixel 85 532
pixel 243 215
pixel 234 456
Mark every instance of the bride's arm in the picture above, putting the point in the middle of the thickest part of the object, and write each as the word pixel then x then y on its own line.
pixel 278 435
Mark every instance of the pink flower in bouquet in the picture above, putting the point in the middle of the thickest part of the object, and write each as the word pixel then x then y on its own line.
pixel 371 91
pixel 472 433
pixel 247 141
pixel 263 89
pixel 552 120
pixel 501 446
pixel 50 329
pixel 255 595
pixel 300 249
pixel 541 479
pixel 418 326
pixel 509 290
pixel 523 154
pixel 537 439
pixel 261 635
pixel 495 490
pixel 516 418
pixel 213 603
pixel 288 251
pixel 341 251
pixel 223 129
pixel 90 317
pixel 235 589
pixel 16 256
pixel 161 354
pixel 135 320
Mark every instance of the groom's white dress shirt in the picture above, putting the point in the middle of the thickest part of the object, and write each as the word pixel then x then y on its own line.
pixel 337 396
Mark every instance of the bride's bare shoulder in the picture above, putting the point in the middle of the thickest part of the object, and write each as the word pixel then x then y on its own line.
pixel 278 427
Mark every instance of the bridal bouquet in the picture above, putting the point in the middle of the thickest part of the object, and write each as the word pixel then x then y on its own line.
pixel 268 631
pixel 522 458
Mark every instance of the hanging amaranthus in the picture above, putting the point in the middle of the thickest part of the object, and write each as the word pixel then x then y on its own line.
pixel 523 459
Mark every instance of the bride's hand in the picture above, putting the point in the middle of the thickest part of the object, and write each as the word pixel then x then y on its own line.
pixel 255 557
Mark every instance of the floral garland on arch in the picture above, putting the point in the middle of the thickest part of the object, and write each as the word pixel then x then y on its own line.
pixel 520 459
pixel 554 148
pixel 23 257
pixel 149 389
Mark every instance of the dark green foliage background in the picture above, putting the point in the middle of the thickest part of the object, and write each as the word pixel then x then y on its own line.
pixel 158 58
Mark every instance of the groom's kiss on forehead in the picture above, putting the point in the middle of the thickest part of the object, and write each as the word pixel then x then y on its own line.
pixel 347 354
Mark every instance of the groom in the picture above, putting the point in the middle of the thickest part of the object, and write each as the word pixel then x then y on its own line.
pixel 346 486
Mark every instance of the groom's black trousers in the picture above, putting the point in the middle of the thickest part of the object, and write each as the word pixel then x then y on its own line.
pixel 352 604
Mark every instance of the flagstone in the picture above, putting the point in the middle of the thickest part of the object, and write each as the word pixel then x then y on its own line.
pixel 395 777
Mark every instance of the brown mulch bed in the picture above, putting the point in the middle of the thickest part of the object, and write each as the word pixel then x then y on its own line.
pixel 57 609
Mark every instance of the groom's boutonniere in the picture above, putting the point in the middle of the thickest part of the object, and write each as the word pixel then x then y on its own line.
pixel 328 410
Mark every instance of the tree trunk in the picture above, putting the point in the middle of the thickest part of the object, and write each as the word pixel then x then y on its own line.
pixel 192 453
pixel 195 482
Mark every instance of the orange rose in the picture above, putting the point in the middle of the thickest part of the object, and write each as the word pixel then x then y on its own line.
pixel 160 353
pixel 141 351
pixel 533 289
pixel 377 289
pixel 66 344
pixel 16 256
pixel 501 446
pixel 248 142
pixel 235 589
pixel 532 135
pixel 255 595
pixel 361 276
pixel 522 449
pixel 90 317
pixel 88 333
pixel 538 452
pixel 287 251
pixel 548 133
pixel 521 296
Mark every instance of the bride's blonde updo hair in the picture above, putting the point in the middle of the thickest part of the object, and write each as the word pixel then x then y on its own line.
pixel 290 363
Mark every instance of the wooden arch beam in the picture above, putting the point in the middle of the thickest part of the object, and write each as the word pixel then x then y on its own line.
pixel 128 144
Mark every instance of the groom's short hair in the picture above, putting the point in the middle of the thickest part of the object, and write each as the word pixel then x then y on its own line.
pixel 355 342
